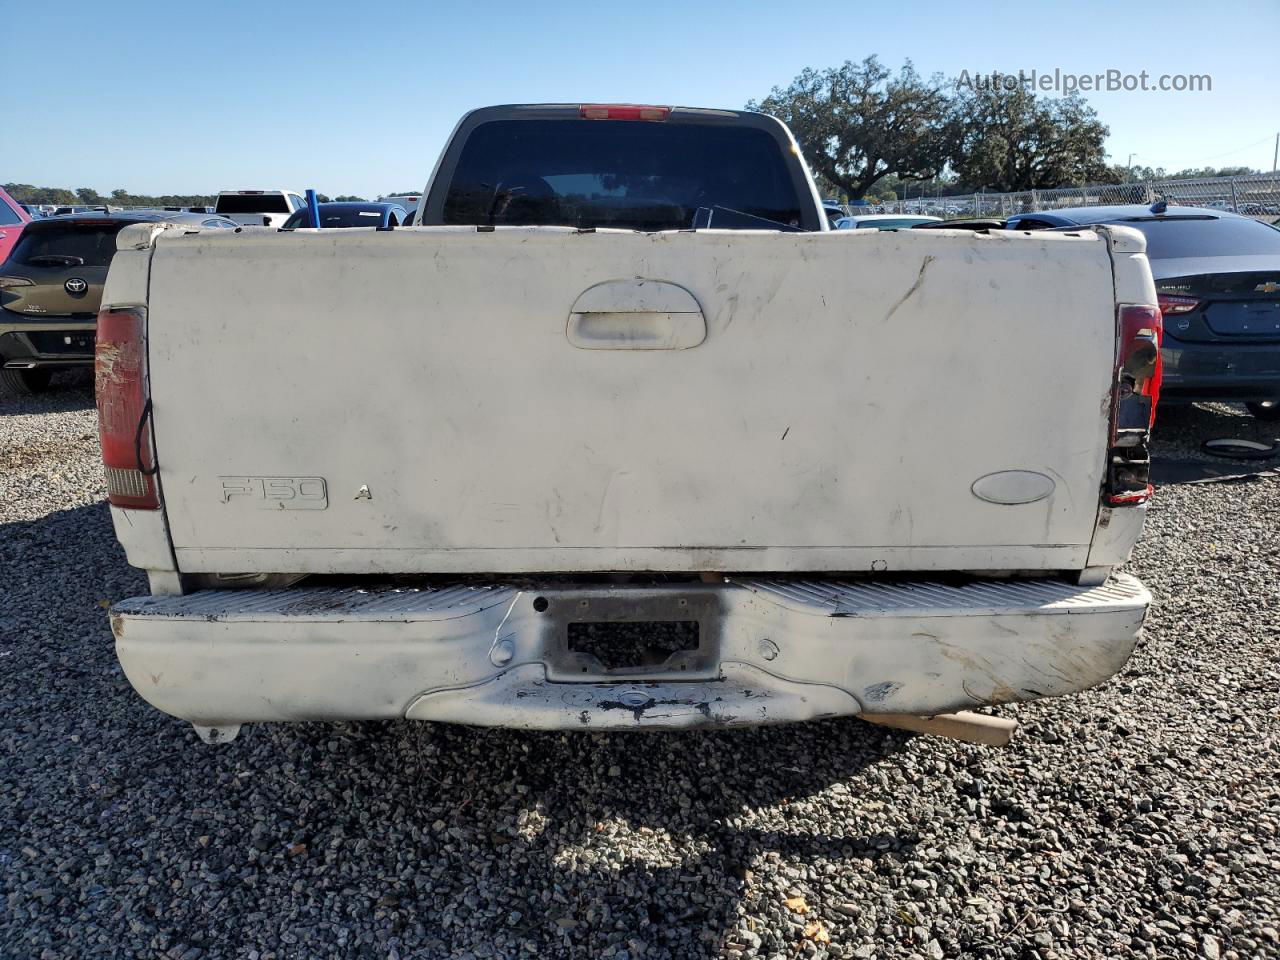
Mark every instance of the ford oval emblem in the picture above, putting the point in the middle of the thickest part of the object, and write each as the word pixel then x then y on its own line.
pixel 76 285
pixel 1013 486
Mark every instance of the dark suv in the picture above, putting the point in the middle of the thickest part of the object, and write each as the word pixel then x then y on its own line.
pixel 51 286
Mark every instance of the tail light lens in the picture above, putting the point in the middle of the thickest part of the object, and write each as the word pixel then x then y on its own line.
pixel 120 380
pixel 589 111
pixel 1171 305
pixel 1134 396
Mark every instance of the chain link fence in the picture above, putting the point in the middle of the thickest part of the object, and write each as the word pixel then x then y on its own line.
pixel 1255 196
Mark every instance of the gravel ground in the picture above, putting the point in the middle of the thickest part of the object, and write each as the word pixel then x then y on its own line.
pixel 1180 431
pixel 1140 819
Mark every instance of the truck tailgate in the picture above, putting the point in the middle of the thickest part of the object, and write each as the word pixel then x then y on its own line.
pixel 447 400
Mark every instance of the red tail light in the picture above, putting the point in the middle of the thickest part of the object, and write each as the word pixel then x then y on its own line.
pixel 1141 330
pixel 1135 393
pixel 120 375
pixel 591 111
pixel 1171 305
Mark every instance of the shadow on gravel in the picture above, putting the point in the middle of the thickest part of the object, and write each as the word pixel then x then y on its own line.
pixel 588 843
pixel 357 839
pixel 1176 454
pixel 1166 472
pixel 70 390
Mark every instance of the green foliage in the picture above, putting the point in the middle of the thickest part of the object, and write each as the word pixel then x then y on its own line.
pixel 892 188
pixel 1119 173
pixel 26 193
pixel 825 187
pixel 1010 140
pixel 82 196
pixel 1196 173
pixel 871 133
pixel 859 123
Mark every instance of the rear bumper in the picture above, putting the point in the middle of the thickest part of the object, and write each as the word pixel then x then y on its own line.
pixel 769 651
pixel 47 344
pixel 1218 371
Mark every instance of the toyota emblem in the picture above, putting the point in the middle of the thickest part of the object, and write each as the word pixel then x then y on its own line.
pixel 76 285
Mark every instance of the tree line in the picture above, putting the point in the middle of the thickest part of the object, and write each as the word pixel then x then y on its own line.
pixel 871 133
pixel 87 196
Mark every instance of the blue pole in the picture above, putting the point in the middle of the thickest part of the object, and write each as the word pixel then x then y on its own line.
pixel 313 210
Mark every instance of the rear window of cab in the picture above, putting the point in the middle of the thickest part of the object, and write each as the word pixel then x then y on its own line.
pixel 634 175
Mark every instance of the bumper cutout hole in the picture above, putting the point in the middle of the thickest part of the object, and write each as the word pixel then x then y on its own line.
pixel 629 644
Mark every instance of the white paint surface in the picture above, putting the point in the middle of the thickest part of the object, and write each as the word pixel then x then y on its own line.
pixel 850 389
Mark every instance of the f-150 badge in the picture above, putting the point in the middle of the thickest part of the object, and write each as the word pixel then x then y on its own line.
pixel 276 493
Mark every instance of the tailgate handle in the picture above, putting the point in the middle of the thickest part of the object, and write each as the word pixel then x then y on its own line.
pixel 636 314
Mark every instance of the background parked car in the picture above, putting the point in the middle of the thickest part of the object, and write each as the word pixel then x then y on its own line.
pixel 976 224
pixel 95 208
pixel 1218 279
pixel 409 201
pixel 51 287
pixel 12 221
pixel 883 221
pixel 267 208
pixel 364 214
pixel 833 211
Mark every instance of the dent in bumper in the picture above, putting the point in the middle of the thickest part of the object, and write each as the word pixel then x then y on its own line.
pixel 786 651
pixel 743 695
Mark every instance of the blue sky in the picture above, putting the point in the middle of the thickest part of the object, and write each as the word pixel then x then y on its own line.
pixel 183 97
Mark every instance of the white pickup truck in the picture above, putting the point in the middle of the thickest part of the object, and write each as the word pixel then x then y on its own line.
pixel 622 436
pixel 259 208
